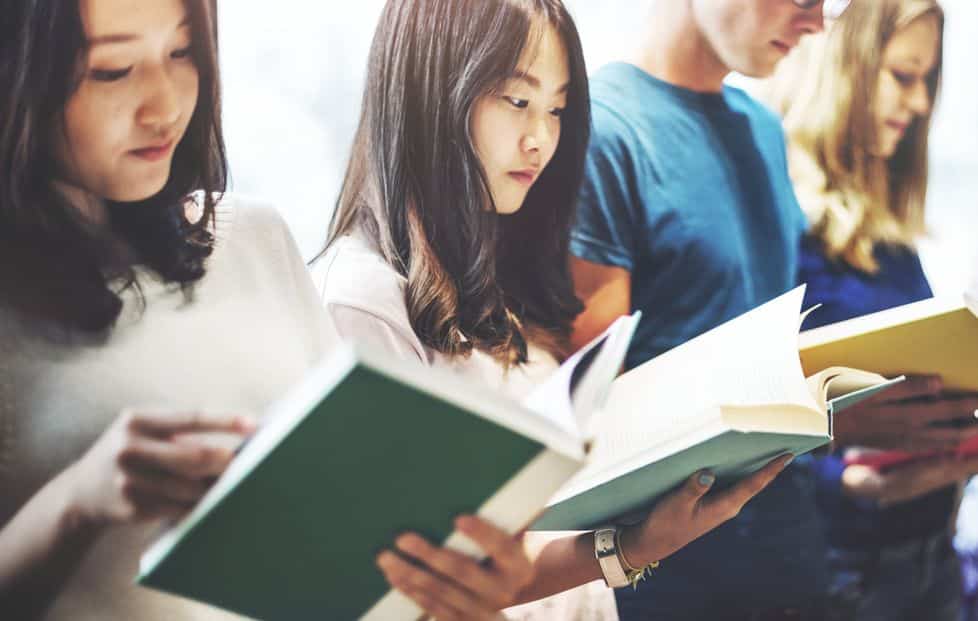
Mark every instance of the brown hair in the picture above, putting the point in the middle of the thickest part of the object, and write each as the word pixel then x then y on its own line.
pixel 415 186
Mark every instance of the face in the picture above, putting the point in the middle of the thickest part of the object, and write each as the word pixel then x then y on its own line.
pixel 516 129
pixel 902 94
pixel 752 36
pixel 137 92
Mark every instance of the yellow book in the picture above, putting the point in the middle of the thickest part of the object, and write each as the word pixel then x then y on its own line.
pixel 938 336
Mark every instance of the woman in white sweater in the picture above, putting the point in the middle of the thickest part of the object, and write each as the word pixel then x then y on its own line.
pixel 128 311
pixel 449 248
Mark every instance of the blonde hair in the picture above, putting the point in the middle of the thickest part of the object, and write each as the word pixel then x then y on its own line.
pixel 826 92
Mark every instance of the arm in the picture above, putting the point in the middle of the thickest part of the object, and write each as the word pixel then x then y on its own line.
pixel 139 469
pixel 606 293
pixel 452 586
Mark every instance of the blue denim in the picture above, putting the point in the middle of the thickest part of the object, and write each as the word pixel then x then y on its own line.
pixel 919 580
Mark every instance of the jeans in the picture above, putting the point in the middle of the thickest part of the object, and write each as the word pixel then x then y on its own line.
pixel 918 580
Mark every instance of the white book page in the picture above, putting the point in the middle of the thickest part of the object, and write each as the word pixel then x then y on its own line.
pixel 751 360
pixel 570 406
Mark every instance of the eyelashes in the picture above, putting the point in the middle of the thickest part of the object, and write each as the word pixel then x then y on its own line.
pixel 904 79
pixel 109 75
pixel 522 104
pixel 114 75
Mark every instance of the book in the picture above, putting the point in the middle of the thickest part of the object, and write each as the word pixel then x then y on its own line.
pixel 938 336
pixel 362 449
pixel 729 400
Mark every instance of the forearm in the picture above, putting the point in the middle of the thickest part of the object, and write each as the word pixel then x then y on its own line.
pixel 39 548
pixel 562 564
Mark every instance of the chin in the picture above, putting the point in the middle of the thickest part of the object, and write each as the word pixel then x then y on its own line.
pixel 136 192
pixel 508 210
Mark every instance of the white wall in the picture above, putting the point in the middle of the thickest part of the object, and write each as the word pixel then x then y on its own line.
pixel 293 71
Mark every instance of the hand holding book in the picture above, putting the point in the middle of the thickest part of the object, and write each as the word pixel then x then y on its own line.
pixel 917 415
pixel 690 512
pixel 150 465
pixel 450 585
pixel 911 480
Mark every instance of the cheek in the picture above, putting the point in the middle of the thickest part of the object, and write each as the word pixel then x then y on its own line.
pixel 188 84
pixel 887 97
pixel 492 134
pixel 87 135
pixel 552 150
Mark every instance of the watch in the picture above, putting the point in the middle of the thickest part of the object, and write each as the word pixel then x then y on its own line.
pixel 606 551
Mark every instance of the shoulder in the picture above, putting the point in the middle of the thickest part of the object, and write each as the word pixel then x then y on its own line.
pixel 739 100
pixel 351 272
pixel 241 215
pixel 354 281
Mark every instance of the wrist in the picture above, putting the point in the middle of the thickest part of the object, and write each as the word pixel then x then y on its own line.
pixel 633 553
pixel 75 515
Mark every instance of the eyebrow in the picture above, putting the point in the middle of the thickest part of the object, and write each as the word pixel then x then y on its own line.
pixel 534 81
pixel 126 37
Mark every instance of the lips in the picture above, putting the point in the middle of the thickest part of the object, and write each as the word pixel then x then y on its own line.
pixel 525 177
pixel 781 46
pixel 899 126
pixel 153 153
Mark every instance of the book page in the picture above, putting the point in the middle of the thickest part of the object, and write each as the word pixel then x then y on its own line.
pixel 751 360
pixel 571 394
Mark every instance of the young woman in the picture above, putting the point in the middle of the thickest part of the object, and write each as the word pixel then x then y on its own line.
pixel 449 248
pixel 129 293
pixel 858 128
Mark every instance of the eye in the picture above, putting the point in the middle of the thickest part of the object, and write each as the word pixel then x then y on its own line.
pixel 557 112
pixel 182 53
pixel 904 79
pixel 517 103
pixel 109 75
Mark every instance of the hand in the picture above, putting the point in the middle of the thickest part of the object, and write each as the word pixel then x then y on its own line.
pixel 914 415
pixel 450 585
pixel 689 513
pixel 150 465
pixel 906 482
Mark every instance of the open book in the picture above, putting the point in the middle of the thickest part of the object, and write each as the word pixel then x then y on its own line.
pixel 361 450
pixel 938 336
pixel 729 400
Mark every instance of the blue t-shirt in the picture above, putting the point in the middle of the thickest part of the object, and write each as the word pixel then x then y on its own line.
pixel 845 293
pixel 690 193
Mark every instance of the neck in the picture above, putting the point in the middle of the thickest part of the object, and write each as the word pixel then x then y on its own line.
pixel 674 49
pixel 91 207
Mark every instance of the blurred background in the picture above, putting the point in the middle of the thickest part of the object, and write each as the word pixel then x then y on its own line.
pixel 293 79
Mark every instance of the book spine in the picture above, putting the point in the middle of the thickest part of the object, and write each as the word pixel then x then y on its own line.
pixel 512 508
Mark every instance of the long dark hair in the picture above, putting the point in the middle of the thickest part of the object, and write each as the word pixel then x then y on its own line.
pixel 415 185
pixel 53 264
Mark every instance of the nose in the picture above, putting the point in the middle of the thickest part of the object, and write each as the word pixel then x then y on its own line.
pixel 918 98
pixel 539 135
pixel 160 107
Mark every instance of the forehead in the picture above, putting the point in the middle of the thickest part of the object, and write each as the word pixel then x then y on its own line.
pixel 916 43
pixel 545 58
pixel 131 17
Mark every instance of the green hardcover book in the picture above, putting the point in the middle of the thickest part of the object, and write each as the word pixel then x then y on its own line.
pixel 363 449
pixel 729 400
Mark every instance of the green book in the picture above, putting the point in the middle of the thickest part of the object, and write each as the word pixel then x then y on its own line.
pixel 729 400
pixel 362 450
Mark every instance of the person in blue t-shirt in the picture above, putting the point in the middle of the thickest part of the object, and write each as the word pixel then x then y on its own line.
pixel 860 172
pixel 688 214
